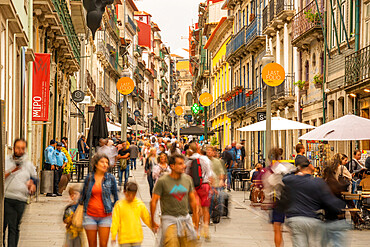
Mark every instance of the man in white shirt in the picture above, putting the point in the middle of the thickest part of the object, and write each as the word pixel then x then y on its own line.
pixel 20 174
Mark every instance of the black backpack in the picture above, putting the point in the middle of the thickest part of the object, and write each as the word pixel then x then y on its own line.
pixel 196 173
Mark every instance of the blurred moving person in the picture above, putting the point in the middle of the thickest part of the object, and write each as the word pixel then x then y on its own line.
pixel 134 154
pixel 304 195
pixel 203 189
pixel 126 217
pixel 123 156
pixel 175 191
pixel 161 167
pixel 229 163
pixel 150 163
pixel 20 180
pixel 99 189
pixel 74 236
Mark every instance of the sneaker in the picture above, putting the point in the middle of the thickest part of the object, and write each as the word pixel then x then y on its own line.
pixel 59 194
pixel 51 195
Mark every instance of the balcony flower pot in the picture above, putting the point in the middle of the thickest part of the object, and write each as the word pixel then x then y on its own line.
pixel 247 94
pixel 237 93
pixel 240 90
pixel 251 17
pixel 302 91
pixel 250 92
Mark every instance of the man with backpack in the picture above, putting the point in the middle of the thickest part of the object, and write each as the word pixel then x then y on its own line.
pixel 199 168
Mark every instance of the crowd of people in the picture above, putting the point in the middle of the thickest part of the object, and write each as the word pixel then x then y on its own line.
pixel 189 180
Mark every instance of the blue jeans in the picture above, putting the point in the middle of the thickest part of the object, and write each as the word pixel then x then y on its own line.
pixel 335 232
pixel 305 231
pixel 151 183
pixel 82 156
pixel 120 174
pixel 133 163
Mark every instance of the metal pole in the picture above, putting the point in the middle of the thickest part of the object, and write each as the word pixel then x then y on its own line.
pixel 268 121
pixel 124 119
pixel 136 127
pixel 178 128
pixel 30 78
pixel 173 120
pixel 205 124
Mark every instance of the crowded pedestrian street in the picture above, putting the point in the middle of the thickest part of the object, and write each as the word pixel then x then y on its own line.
pixel 171 123
pixel 43 226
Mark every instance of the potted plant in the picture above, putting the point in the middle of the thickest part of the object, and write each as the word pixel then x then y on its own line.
pixel 318 80
pixel 312 17
pixel 250 92
pixel 301 85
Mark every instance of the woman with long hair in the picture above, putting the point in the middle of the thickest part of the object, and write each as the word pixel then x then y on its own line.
pixel 174 149
pixel 161 168
pixel 99 189
pixel 335 225
pixel 150 163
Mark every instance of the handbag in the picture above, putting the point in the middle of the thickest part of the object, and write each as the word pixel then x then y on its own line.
pixel 123 164
pixel 78 216
pixel 343 181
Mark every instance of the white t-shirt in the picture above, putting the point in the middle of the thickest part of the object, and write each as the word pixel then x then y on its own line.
pixel 205 164
pixel 16 183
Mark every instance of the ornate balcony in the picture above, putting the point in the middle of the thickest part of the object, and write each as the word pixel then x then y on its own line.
pixel 103 97
pixel 285 92
pixel 90 84
pixel 254 101
pixel 236 103
pixel 357 70
pixel 78 16
pixel 284 10
pixel 246 40
pixel 107 55
pixel 306 25
pixel 138 74
pixel 130 24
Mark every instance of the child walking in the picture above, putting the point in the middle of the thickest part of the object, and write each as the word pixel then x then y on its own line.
pixel 74 236
pixel 126 218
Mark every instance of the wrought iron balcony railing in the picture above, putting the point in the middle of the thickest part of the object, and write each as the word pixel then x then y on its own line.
pixel 237 41
pixel 131 23
pixel 282 5
pixel 272 9
pixel 357 67
pixel 285 89
pixel 265 17
pixel 253 30
pixel 254 101
pixel 103 96
pixel 64 16
pixel 138 74
pixel 90 84
pixel 236 102
pixel 307 19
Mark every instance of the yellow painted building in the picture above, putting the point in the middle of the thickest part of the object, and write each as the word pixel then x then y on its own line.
pixel 220 83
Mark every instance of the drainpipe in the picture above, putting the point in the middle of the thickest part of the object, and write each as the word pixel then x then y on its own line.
pixel 357 26
pixel 55 95
pixel 30 70
pixel 7 86
pixel 13 78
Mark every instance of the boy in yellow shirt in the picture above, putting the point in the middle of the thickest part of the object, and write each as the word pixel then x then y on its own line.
pixel 126 218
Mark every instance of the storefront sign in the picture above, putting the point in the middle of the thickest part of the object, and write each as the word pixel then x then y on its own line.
pixel 261 116
pixel 41 87
pixel 273 74
pixel 179 110
pixel 206 99
pixel 125 85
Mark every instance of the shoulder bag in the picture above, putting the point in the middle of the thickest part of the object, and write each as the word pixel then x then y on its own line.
pixel 343 181
pixel 78 215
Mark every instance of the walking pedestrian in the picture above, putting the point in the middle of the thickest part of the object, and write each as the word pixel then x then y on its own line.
pixel 300 149
pixel 123 156
pixel 81 146
pixel 161 168
pixel 305 195
pixel 227 157
pixel 99 189
pixel 335 225
pixel 175 191
pixel 126 217
pixel 20 180
pixel 60 165
pixel 50 163
pixel 150 163
pixel 203 190
pixel 238 156
pixel 134 154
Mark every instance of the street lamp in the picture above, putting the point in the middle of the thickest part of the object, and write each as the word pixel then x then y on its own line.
pixel 268 58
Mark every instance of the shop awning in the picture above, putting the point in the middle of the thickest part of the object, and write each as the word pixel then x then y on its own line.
pixel 347 128
pixel 277 123
pixel 139 127
pixel 115 127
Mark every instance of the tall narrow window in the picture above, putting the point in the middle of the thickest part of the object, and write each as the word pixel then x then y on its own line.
pixel 189 99
pixel 225 81
pixel 247 20
pixel 367 25
pixel 307 71
pixel 256 81
pixel 240 20
pixel 248 75
pixel 243 18
pixel 342 28
pixel 333 18
pixel 236 23
pixel 244 76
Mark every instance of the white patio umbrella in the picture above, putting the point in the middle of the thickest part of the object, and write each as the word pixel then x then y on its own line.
pixel 277 123
pixel 115 127
pixel 347 128
pixel 139 127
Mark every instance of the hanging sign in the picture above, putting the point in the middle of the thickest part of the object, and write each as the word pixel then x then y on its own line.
pixel 179 110
pixel 125 85
pixel 206 99
pixel 78 96
pixel 273 74
pixel 41 87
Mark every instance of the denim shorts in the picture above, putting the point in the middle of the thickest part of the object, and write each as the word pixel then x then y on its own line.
pixel 92 223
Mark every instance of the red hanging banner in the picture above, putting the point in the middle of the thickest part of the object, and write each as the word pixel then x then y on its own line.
pixel 41 87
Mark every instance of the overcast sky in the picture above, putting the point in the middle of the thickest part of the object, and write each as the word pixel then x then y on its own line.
pixel 173 18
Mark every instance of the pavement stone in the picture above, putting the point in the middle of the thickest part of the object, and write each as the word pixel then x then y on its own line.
pixel 42 224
